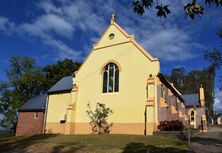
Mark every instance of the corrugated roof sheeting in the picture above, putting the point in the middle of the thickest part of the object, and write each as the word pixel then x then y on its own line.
pixel 64 84
pixel 36 103
pixel 191 99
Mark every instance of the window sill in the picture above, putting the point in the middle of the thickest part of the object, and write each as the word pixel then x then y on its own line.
pixel 111 93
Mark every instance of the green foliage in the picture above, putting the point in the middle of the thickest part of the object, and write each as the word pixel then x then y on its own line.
pixel 98 118
pixel 139 7
pixel 220 33
pixel 25 80
pixel 55 72
pixel 217 2
pixel 162 11
pixel 214 57
pixel 191 9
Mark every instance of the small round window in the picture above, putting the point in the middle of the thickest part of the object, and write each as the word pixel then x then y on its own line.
pixel 111 36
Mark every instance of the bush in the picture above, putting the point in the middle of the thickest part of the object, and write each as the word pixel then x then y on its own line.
pixel 98 118
pixel 174 125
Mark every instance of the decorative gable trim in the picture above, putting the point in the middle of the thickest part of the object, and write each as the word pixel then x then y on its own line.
pixel 118 27
pixel 151 58
pixel 132 40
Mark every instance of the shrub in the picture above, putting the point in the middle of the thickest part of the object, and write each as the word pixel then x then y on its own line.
pixel 98 118
pixel 174 125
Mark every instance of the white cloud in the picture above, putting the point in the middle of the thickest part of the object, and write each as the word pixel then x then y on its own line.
pixel 6 25
pixel 63 50
pixel 167 39
pixel 49 23
pixel 171 44
pixel 45 27
pixel 218 100
pixel 3 23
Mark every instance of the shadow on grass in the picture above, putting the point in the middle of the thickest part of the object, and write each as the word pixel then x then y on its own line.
pixel 21 143
pixel 207 141
pixel 66 148
pixel 142 148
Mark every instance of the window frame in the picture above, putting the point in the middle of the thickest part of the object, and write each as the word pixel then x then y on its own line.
pixel 192 117
pixel 106 69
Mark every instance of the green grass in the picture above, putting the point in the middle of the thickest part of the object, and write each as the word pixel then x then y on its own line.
pixel 94 143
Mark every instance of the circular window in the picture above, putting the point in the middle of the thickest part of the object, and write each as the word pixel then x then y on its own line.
pixel 111 36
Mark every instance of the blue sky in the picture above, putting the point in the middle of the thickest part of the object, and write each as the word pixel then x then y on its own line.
pixel 54 30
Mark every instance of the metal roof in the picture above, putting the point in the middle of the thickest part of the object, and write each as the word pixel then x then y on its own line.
pixel 64 84
pixel 36 103
pixel 191 99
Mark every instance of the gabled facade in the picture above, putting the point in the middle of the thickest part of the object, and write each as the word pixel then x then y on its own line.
pixel 195 109
pixel 116 49
pixel 126 78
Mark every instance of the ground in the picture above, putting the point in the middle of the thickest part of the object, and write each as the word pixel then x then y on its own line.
pixel 210 142
pixel 93 143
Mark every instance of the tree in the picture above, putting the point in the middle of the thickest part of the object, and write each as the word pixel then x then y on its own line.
pixel 25 80
pixel 55 72
pixel 189 82
pixel 98 118
pixel 177 77
pixel 191 9
pixel 215 58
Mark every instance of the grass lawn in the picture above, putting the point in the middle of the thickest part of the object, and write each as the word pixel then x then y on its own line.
pixel 52 143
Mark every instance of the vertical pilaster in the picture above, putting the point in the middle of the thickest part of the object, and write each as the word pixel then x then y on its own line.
pixel 69 127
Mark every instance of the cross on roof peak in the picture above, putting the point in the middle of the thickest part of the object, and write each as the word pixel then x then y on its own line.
pixel 113 17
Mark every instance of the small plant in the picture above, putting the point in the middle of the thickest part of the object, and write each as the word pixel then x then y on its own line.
pixel 98 118
pixel 174 125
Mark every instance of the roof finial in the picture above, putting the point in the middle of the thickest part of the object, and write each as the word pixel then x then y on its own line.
pixel 113 17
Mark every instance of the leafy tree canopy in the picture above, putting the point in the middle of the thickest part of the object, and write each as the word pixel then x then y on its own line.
pixel 215 58
pixel 25 80
pixel 55 72
pixel 191 9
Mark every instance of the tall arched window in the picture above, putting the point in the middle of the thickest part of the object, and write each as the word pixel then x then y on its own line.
pixel 110 78
pixel 192 117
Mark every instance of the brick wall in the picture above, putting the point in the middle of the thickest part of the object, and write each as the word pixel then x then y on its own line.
pixel 27 124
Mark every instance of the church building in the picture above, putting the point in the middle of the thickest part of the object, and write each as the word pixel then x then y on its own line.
pixel 121 74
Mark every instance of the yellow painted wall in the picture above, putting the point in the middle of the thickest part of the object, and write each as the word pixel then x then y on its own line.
pixel 57 107
pixel 129 103
pixel 105 41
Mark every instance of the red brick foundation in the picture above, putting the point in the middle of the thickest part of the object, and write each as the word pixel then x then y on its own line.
pixel 28 125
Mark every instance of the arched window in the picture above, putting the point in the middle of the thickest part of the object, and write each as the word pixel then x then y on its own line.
pixel 192 116
pixel 110 78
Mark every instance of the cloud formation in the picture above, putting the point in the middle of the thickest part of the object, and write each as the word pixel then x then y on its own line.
pixel 218 101
pixel 169 40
